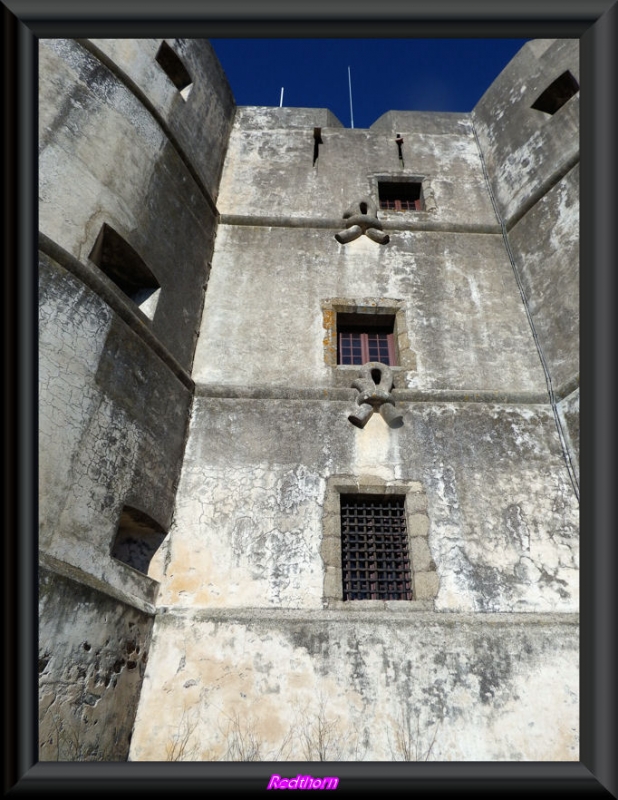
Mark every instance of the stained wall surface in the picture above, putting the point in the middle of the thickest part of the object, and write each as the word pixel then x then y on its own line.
pixel 255 653
pixel 216 410
pixel 532 159
pixel 116 149
pixel 334 686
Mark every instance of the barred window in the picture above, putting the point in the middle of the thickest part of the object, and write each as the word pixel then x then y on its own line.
pixel 374 548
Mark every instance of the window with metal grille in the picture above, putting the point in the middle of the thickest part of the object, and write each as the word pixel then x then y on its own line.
pixel 374 548
pixel 557 94
pixel 366 337
pixel 400 196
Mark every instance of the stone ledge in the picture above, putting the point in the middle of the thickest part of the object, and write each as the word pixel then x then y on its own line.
pixel 396 611
pixel 128 312
pixel 233 392
pixel 422 224
pixel 78 575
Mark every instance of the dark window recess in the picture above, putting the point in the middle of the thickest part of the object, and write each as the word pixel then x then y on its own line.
pixel 137 540
pixel 374 548
pixel 119 261
pixel 174 68
pixel 557 94
pixel 400 196
pixel 366 337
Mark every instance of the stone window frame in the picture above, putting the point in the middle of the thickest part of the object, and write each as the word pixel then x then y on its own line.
pixel 406 357
pixel 425 582
pixel 428 197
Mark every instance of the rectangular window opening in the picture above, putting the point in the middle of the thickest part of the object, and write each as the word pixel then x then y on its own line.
pixel 366 337
pixel 119 261
pixel 401 196
pixel 374 548
pixel 137 539
pixel 557 94
pixel 175 70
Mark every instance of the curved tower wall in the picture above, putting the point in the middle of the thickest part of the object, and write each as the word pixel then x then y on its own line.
pixel 129 168
pixel 532 158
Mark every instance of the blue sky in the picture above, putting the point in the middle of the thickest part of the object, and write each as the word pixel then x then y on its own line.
pixel 386 74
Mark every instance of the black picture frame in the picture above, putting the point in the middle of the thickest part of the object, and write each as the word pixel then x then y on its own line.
pixel 595 24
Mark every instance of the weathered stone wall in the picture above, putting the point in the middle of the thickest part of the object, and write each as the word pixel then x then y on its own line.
pixel 269 170
pixel 336 686
pixel 112 427
pixel 106 158
pixel 264 321
pixel 250 515
pixel 117 148
pixel 568 409
pixel 545 243
pixel 248 650
pixel 256 654
pixel 532 159
pixel 93 650
pixel 208 108
pixel 526 150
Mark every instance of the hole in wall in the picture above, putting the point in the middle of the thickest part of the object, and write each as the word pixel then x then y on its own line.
pixel 114 256
pixel 137 540
pixel 175 70
pixel 557 94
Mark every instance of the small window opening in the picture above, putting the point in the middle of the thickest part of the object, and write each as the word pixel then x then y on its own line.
pixel 119 261
pixel 401 196
pixel 137 540
pixel 374 548
pixel 317 141
pixel 175 70
pixel 366 337
pixel 557 94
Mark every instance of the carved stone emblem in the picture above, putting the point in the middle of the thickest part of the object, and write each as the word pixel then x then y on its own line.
pixel 362 217
pixel 374 394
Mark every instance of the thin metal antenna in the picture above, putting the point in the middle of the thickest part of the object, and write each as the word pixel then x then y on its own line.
pixel 351 111
pixel 281 100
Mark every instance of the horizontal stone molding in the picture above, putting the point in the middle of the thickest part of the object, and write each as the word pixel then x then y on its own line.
pixel 116 300
pixel 346 395
pixel 447 619
pixel 422 223
pixel 555 177
pixel 78 575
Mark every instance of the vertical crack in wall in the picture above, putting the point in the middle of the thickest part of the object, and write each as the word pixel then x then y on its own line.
pixel 552 398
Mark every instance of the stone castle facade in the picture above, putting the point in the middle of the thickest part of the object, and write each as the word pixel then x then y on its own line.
pixel 256 544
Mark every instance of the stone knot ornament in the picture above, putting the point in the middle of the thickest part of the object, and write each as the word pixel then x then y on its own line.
pixel 374 384
pixel 362 218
